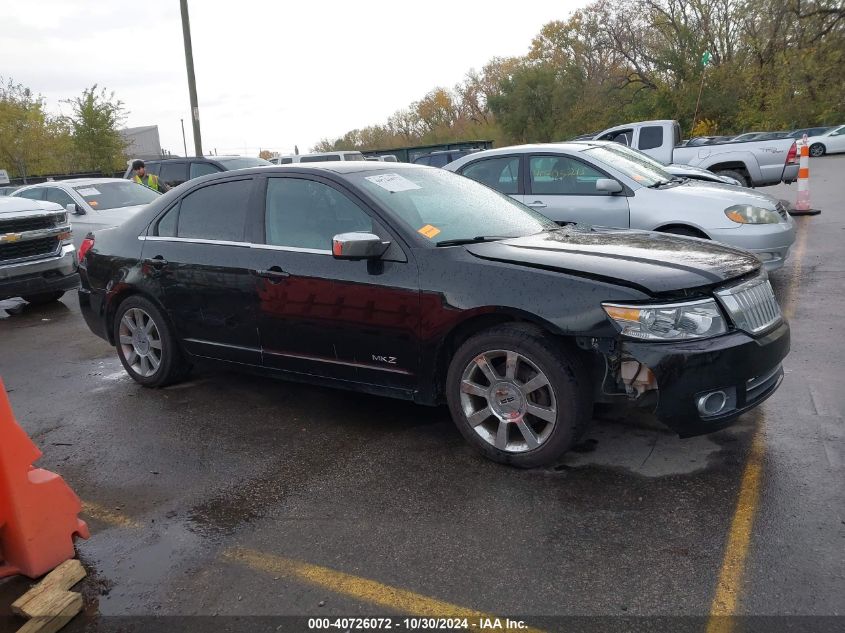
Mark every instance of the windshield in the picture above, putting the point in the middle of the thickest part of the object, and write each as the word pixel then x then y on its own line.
pixel 643 170
pixel 441 206
pixel 113 195
pixel 240 162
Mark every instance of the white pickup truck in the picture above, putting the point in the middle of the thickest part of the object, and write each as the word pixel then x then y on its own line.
pixel 752 163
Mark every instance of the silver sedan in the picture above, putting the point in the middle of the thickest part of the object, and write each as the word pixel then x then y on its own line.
pixel 607 184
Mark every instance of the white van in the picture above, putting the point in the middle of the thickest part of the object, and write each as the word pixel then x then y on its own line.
pixel 321 157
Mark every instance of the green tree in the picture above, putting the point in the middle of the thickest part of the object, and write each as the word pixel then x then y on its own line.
pixel 24 130
pixel 96 119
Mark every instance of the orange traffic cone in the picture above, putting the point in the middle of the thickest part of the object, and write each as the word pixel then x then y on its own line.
pixel 802 204
pixel 38 510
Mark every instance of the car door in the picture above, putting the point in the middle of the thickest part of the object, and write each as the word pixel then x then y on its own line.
pixel 198 259
pixel 563 188
pixel 836 141
pixel 349 320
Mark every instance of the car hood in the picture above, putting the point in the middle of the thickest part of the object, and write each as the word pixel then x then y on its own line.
pixel 722 195
pixel 655 263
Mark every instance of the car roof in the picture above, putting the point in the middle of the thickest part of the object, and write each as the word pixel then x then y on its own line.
pixel 74 182
pixel 11 204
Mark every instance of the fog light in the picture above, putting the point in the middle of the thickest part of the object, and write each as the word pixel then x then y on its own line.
pixel 712 403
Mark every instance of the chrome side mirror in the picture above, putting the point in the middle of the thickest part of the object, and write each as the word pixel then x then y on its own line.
pixel 608 185
pixel 358 246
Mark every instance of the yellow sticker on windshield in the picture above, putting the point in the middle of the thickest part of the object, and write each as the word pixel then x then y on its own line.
pixel 93 203
pixel 638 178
pixel 429 231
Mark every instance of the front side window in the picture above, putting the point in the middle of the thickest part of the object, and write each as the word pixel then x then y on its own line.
pixel 353 156
pixel 308 214
pixel 216 212
pixel 59 197
pixel 203 169
pixel 561 175
pixel 114 195
pixel 502 174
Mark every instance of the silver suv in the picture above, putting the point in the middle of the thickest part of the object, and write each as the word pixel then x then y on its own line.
pixel 37 258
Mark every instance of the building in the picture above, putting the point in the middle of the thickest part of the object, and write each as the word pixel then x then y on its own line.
pixel 142 142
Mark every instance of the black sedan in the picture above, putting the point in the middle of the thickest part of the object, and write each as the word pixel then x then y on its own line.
pixel 416 283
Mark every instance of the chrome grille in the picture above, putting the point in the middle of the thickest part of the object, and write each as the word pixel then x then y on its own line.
pixel 751 305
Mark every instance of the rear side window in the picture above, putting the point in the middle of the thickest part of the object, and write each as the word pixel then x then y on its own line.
pixel 423 160
pixel 285 161
pixel 216 212
pixel 33 194
pixel 502 174
pixel 174 173
pixel 651 137
pixel 439 160
pixel 203 169
pixel 317 159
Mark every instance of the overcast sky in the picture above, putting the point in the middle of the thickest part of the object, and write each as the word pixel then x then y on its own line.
pixel 270 74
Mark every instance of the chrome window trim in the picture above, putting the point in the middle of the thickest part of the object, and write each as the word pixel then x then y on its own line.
pixel 271 247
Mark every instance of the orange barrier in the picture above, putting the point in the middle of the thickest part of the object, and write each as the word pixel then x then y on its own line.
pixel 802 204
pixel 38 510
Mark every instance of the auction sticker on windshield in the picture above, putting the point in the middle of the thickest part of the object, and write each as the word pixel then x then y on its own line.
pixel 393 182
pixel 88 191
pixel 429 231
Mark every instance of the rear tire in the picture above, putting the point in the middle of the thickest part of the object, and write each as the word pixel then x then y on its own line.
pixel 43 298
pixel 518 395
pixel 146 346
pixel 817 149
pixel 736 175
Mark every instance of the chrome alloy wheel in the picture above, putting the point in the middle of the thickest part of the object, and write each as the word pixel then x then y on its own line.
pixel 140 342
pixel 508 401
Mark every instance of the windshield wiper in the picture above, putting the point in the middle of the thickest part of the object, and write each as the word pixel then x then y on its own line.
pixel 472 240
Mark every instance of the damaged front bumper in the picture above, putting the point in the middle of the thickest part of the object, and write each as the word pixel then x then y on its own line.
pixel 704 385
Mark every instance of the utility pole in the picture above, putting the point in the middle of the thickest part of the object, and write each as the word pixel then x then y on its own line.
pixel 184 144
pixel 192 82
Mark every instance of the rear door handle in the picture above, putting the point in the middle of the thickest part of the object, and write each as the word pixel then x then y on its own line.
pixel 537 204
pixel 274 274
pixel 156 262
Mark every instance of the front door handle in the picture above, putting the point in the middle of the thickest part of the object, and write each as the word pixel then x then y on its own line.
pixel 537 204
pixel 156 262
pixel 274 274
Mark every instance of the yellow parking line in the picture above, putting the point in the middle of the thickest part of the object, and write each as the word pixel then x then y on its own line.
pixel 726 597
pixel 110 517
pixel 363 589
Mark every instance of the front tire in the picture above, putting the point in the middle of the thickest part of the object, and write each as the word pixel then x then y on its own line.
pixel 518 395
pixel 817 149
pixel 145 343
pixel 44 298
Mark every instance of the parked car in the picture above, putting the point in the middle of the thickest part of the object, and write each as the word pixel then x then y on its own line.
pixel 809 131
pixel 92 203
pixel 412 282
pixel 319 157
pixel 8 189
pixel 174 171
pixel 752 163
pixel 443 157
pixel 608 184
pixel 37 259
pixel 830 142
pixel 697 173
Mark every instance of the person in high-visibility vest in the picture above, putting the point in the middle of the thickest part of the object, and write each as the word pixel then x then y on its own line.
pixel 148 180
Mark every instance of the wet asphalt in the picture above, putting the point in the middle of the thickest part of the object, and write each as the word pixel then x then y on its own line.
pixel 635 523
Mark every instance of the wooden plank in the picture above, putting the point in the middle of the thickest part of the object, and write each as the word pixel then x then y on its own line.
pixel 61 578
pixel 48 604
pixel 68 604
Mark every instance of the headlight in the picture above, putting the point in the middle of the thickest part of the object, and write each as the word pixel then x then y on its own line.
pixel 746 214
pixel 669 322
